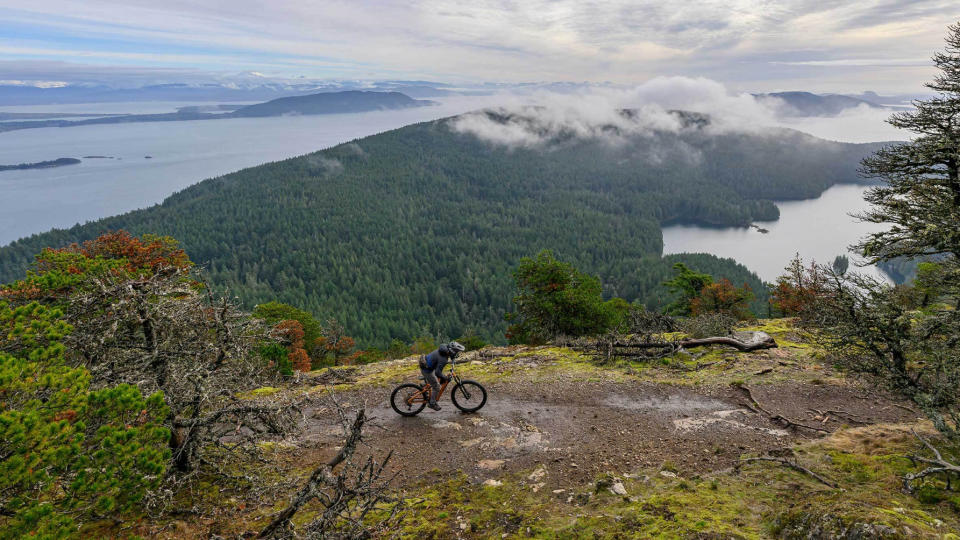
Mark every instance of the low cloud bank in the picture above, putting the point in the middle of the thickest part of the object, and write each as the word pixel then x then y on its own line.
pixel 597 113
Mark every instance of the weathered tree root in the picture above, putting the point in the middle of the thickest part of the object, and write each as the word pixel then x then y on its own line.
pixel 755 406
pixel 792 465
pixel 938 465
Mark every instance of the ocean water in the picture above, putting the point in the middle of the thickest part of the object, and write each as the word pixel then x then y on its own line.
pixel 818 229
pixel 181 154
pixel 184 153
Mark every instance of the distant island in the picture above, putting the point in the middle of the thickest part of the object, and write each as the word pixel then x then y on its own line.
pixel 41 164
pixel 4 116
pixel 809 104
pixel 224 107
pixel 351 101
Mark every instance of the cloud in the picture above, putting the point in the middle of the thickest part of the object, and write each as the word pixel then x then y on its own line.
pixel 598 113
pixel 841 62
pixel 741 42
pixel 543 118
pixel 324 166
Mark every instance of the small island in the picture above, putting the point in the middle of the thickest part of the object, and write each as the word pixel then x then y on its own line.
pixel 349 101
pixel 41 164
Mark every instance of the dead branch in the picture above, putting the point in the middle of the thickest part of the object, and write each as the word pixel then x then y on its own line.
pixel 904 407
pixel 850 417
pixel 938 465
pixel 347 494
pixel 776 418
pixel 792 465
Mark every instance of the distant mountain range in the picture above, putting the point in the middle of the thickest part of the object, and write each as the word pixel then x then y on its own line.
pixel 810 104
pixel 351 101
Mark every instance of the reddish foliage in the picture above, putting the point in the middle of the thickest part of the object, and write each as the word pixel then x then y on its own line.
pixel 291 332
pixel 146 253
pixel 60 271
pixel 299 360
pixel 799 289
pixel 341 348
pixel 723 297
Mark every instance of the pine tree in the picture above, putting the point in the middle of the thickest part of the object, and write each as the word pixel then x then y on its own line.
pixel 920 196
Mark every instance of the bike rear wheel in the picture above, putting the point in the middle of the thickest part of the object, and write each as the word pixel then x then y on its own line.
pixel 401 396
pixel 469 396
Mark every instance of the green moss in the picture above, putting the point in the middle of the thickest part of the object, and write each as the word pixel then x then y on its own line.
pixel 858 469
pixel 761 500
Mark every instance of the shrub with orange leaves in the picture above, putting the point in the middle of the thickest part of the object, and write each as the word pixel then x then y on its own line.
pixel 723 297
pixel 291 332
pixel 336 344
pixel 799 289
pixel 57 272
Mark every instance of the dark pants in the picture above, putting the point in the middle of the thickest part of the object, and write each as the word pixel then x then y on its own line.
pixel 431 378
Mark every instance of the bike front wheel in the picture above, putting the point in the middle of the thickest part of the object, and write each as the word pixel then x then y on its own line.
pixel 469 396
pixel 405 400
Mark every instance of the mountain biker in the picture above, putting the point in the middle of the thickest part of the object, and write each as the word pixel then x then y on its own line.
pixel 431 367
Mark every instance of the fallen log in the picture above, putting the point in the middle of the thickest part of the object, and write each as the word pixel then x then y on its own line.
pixel 757 341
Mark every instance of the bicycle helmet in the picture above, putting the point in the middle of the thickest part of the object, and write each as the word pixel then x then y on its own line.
pixel 455 348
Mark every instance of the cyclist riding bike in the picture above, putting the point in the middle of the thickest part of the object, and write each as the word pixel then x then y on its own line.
pixel 431 367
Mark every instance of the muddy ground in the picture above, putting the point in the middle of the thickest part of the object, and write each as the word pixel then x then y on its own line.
pixel 565 434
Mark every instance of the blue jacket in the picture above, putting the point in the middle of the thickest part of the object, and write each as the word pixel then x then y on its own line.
pixel 436 361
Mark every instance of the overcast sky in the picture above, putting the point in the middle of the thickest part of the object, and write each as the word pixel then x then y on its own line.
pixel 752 45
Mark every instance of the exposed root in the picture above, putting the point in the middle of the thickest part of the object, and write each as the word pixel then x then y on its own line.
pixel 792 465
pixel 937 465
pixel 904 407
pixel 849 417
pixel 755 406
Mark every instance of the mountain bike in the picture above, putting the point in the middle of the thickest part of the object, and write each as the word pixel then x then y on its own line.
pixel 469 396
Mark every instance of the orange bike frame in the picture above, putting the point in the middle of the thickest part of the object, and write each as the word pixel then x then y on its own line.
pixel 423 396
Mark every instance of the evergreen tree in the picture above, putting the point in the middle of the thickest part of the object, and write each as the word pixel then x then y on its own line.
pixel 555 299
pixel 914 351
pixel 69 454
pixel 920 194
pixel 686 284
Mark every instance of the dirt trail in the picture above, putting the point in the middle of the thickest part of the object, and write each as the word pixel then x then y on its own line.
pixel 574 430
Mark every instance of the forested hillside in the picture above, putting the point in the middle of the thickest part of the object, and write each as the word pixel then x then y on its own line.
pixel 415 231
